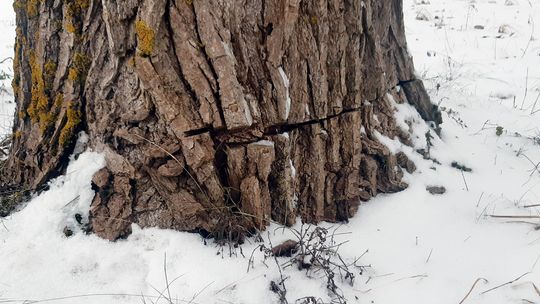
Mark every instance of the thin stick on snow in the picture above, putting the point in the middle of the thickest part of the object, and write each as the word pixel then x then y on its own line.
pixel 486 123
pixel 236 282
pixel 421 276
pixel 516 216
pixel 522 196
pixel 200 291
pixel 467 20
pixel 531 37
pixel 71 201
pixel 536 288
pixel 524 222
pixel 429 256
pixel 482 213
pixel 6 59
pixel 535 262
pixel 535 169
pixel 507 283
pixel 472 288
pixel 531 206
pixel 167 277
pixel 4 224
pixel 479 199
pixel 162 293
pixel 90 295
pixel 533 111
pixel 526 89
pixel 466 186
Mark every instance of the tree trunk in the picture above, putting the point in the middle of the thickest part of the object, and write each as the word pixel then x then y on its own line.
pixel 216 116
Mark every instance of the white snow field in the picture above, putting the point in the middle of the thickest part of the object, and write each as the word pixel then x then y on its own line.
pixel 480 61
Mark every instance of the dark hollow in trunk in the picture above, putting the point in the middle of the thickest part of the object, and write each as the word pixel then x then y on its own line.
pixel 216 116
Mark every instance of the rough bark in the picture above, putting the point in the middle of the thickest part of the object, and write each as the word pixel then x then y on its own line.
pixel 215 116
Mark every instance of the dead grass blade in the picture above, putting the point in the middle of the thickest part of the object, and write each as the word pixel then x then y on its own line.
pixel 507 283
pixel 516 216
pixel 472 288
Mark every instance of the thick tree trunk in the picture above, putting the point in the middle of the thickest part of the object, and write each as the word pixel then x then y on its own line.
pixel 215 116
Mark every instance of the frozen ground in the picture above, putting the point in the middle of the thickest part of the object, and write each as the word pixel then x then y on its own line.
pixel 481 62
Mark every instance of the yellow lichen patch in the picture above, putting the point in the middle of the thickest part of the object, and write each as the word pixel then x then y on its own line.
pixel 83 4
pixel 79 68
pixel 39 109
pixel 39 100
pixel 80 62
pixel 50 70
pixel 58 100
pixel 46 120
pixel 18 5
pixel 70 28
pixel 73 120
pixel 15 84
pixel 74 15
pixel 145 38
pixel 17 134
pixel 32 8
pixel 73 75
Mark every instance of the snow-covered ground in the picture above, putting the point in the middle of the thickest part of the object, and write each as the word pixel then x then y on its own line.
pixel 481 63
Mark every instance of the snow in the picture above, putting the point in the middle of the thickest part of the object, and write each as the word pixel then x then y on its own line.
pixel 286 84
pixel 265 143
pixel 423 248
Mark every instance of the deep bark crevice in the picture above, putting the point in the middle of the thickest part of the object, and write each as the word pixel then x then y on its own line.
pixel 275 129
